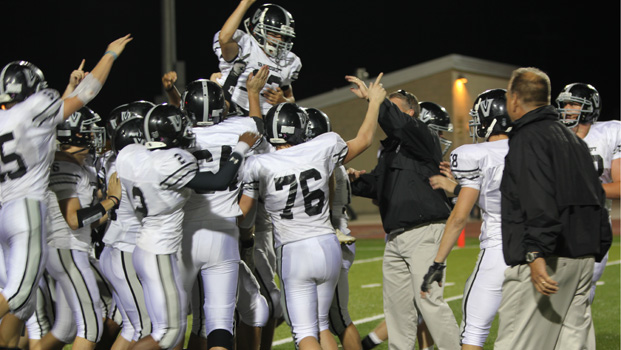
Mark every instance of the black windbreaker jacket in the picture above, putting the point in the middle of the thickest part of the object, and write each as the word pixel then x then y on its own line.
pixel 552 199
pixel 400 181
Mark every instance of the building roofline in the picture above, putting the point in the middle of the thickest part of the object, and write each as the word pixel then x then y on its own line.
pixel 457 62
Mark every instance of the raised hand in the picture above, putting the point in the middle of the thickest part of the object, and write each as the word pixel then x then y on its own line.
pixel 256 82
pixel 169 79
pixel 118 45
pixel 361 90
pixel 376 92
pixel 77 75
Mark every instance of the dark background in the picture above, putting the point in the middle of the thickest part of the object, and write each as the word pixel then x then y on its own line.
pixel 569 42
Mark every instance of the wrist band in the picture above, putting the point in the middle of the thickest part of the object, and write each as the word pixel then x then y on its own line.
pixel 116 203
pixel 457 189
pixel 114 54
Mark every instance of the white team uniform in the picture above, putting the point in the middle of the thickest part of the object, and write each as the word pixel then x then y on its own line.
pixel 604 141
pixel 480 166
pixel 68 261
pixel 339 312
pixel 294 186
pixel 210 245
pixel 155 183
pixel 118 268
pixel 27 144
pixel 282 72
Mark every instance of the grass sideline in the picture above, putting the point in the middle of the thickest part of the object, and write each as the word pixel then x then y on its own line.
pixel 365 303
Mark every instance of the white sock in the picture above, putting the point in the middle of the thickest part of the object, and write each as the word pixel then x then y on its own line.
pixel 375 338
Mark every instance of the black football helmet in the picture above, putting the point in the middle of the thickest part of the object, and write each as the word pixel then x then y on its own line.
pixel 268 21
pixel 136 109
pixel 438 120
pixel 80 129
pixel 203 102
pixel 166 126
pixel 318 122
pixel 20 79
pixel 489 114
pixel 128 132
pixel 584 95
pixel 286 123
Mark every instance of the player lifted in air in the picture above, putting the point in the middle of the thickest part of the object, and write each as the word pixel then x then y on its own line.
pixel 267 42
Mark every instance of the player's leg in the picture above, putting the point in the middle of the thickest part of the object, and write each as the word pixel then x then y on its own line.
pixel 165 297
pixel 482 295
pixel 252 310
pixel 340 320
pixel 72 270
pixel 328 251
pixel 23 239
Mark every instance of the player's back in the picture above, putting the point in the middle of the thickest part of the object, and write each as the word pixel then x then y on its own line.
pixel 480 166
pixel 294 185
pixel 27 145
pixel 154 181
pixel 214 145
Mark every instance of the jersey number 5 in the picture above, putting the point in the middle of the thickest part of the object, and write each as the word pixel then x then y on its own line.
pixel 309 196
pixel 5 159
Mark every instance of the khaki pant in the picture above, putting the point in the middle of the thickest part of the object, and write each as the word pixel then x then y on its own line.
pixel 530 320
pixel 407 258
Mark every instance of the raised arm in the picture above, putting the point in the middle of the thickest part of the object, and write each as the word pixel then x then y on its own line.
pixel 92 83
pixel 228 46
pixel 366 133
pixel 254 85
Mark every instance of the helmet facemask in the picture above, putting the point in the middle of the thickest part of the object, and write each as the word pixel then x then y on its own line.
pixel 573 109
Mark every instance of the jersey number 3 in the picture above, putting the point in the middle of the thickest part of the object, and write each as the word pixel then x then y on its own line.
pixel 317 196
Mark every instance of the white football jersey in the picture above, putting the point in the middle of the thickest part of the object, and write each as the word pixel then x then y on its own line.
pixel 340 199
pixel 604 140
pixel 294 186
pixel 282 72
pixel 214 145
pixel 123 230
pixel 154 181
pixel 71 180
pixel 480 166
pixel 27 145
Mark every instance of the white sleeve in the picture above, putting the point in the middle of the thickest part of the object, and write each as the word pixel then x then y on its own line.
pixel 176 168
pixel 465 167
pixel 250 182
pixel 64 180
pixel 44 108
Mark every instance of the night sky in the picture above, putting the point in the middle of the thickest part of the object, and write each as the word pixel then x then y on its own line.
pixel 571 44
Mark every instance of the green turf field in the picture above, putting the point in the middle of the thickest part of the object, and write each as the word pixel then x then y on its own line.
pixel 365 303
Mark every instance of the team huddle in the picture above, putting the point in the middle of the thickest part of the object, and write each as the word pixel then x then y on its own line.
pixel 115 230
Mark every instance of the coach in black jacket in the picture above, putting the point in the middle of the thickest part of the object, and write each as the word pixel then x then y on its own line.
pixel 413 215
pixel 553 219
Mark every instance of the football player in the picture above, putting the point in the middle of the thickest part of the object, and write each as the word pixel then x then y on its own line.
pixel 159 178
pixel 478 169
pixel 340 321
pixel 210 244
pixel 74 184
pixel 120 237
pixel 579 106
pixel 29 116
pixel 267 42
pixel 438 120
pixel 293 183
